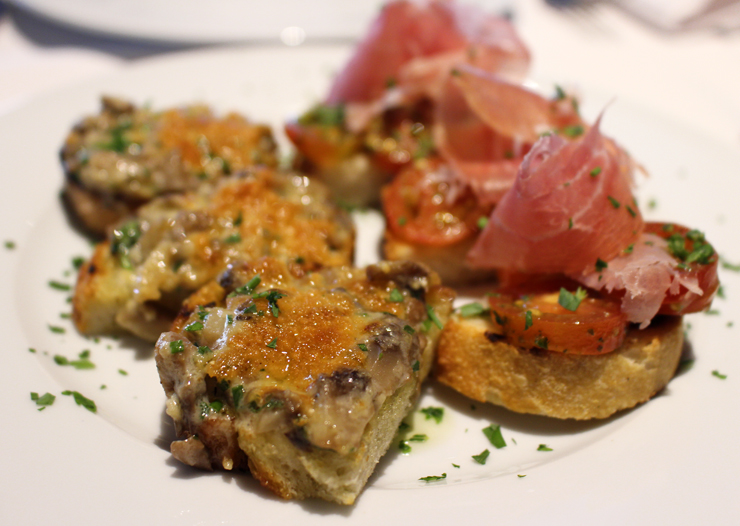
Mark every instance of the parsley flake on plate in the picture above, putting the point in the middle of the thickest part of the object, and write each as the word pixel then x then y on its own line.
pixel 433 478
pixel 481 457
pixel 435 413
pixel 82 400
pixel 493 433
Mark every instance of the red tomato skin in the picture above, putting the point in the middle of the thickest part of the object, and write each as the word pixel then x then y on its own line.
pixel 685 301
pixel 596 327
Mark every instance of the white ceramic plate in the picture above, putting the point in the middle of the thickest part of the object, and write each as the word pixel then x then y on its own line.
pixel 203 21
pixel 672 460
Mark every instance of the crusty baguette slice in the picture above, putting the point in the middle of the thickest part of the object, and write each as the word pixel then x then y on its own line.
pixel 447 261
pixel 472 359
pixel 305 378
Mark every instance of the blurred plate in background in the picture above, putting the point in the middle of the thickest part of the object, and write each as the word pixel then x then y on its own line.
pixel 218 21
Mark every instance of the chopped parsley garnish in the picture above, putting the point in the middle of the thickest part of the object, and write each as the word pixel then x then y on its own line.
pixel 408 329
pixel 435 413
pixel 472 309
pixel 401 221
pixel 44 400
pixel 404 446
pixel 272 344
pixel 614 202
pixel 82 363
pixel 482 222
pixel 202 313
pixel 455 465
pixel 521 476
pixel 600 265
pixel 559 93
pixel 493 433
pixel 77 262
pixel 543 447
pixel 481 457
pixel 204 349
pixel 432 478
pixel 233 238
pixel 57 330
pixel 195 326
pixel 249 287
pixel 10 245
pixel 124 238
pixel 122 372
pixel 628 250
pixel 719 375
pixel 418 438
pixel 237 393
pixel 541 342
pixel 82 400
pixel 571 301
pixel 59 286
pixel 631 212
pixel 596 171
pixel 527 319
pixel 177 347
pixel 324 115
pixel 396 296
pixel 729 266
pixel 433 316
pixel 229 319
pixel 118 143
pixel 362 346
pixel 570 223
pixel 573 131
pixel 501 321
pixel 415 366
pixel 272 297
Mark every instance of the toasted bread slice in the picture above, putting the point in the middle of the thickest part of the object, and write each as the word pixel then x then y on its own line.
pixel 304 378
pixel 139 276
pixel 475 361
pixel 125 156
pixel 447 261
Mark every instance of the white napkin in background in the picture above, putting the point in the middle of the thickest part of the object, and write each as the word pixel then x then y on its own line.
pixel 676 15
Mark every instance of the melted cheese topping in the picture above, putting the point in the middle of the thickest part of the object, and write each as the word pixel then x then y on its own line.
pixel 314 333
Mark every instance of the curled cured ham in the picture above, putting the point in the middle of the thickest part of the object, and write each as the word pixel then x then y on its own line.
pixel 484 125
pixel 669 270
pixel 412 46
pixel 570 207
pixel 410 50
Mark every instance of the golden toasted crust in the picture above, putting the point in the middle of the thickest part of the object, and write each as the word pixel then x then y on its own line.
pixel 125 156
pixel 447 261
pixel 312 390
pixel 138 277
pixel 472 360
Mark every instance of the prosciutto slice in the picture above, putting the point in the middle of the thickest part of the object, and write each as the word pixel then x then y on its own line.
pixel 571 205
pixel 646 276
pixel 411 48
pixel 485 125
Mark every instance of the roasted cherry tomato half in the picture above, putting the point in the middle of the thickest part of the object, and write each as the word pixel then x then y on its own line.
pixel 558 316
pixel 425 205
pixel 697 259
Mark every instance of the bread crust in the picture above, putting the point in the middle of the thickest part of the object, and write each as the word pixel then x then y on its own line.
pixel 447 261
pixel 472 359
